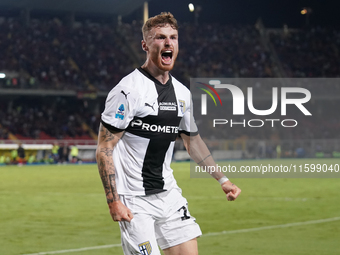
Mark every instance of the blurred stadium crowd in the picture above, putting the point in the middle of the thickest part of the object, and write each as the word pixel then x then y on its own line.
pixel 48 54
pixel 47 118
pixel 312 52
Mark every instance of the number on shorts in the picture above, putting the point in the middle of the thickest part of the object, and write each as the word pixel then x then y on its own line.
pixel 185 210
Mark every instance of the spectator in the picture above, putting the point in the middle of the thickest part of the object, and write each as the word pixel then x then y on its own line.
pixel 14 156
pixel 21 155
pixel 74 154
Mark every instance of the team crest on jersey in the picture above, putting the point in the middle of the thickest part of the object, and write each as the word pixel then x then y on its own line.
pixel 120 112
pixel 182 105
pixel 145 248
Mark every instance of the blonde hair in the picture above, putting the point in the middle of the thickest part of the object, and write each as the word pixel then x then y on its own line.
pixel 159 20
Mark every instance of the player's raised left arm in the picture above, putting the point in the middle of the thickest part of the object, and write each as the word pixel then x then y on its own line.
pixel 200 153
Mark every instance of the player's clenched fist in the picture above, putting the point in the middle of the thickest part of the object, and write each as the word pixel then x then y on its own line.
pixel 119 212
pixel 231 190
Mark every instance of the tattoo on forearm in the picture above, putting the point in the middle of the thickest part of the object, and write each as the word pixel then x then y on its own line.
pixel 107 135
pixel 107 151
pixel 204 159
pixel 112 180
pixel 104 178
pixel 106 172
pixel 105 165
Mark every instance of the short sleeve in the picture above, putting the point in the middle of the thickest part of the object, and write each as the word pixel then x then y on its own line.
pixel 188 125
pixel 120 107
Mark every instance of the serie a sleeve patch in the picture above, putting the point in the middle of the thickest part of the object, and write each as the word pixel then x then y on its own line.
pixel 120 107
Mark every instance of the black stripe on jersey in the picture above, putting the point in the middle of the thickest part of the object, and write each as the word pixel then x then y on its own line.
pixel 188 133
pixel 153 129
pixel 153 181
pixel 112 129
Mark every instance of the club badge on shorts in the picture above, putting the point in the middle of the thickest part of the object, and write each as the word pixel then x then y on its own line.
pixel 145 248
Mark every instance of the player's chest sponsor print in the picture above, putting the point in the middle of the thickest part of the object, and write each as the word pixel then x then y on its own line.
pixel 167 106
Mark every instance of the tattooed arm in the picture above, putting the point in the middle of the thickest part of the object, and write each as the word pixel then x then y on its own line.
pixel 200 153
pixel 106 143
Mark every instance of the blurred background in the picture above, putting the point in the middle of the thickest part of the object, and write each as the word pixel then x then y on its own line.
pixel 59 60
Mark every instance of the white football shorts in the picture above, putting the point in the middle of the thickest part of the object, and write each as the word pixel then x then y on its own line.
pixel 161 219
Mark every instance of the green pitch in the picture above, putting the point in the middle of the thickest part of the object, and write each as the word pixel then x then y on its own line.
pixel 56 208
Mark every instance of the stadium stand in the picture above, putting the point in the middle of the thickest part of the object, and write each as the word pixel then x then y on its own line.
pixel 48 118
pixel 46 54
pixel 309 52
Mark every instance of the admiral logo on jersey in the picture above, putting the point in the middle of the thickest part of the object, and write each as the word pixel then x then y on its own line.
pixel 120 112
pixel 167 106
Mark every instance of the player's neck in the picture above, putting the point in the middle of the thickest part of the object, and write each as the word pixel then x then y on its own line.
pixel 158 74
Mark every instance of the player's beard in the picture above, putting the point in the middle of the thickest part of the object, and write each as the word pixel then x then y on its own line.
pixel 157 60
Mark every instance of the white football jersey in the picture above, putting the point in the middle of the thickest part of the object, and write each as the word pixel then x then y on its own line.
pixel 152 115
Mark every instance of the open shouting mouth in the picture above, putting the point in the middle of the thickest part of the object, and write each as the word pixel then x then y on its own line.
pixel 167 57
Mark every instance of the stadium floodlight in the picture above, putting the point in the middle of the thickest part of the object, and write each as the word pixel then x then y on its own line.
pixel 191 7
pixel 2 75
pixel 307 11
pixel 304 11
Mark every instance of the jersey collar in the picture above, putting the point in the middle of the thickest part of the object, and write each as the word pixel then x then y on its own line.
pixel 148 75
